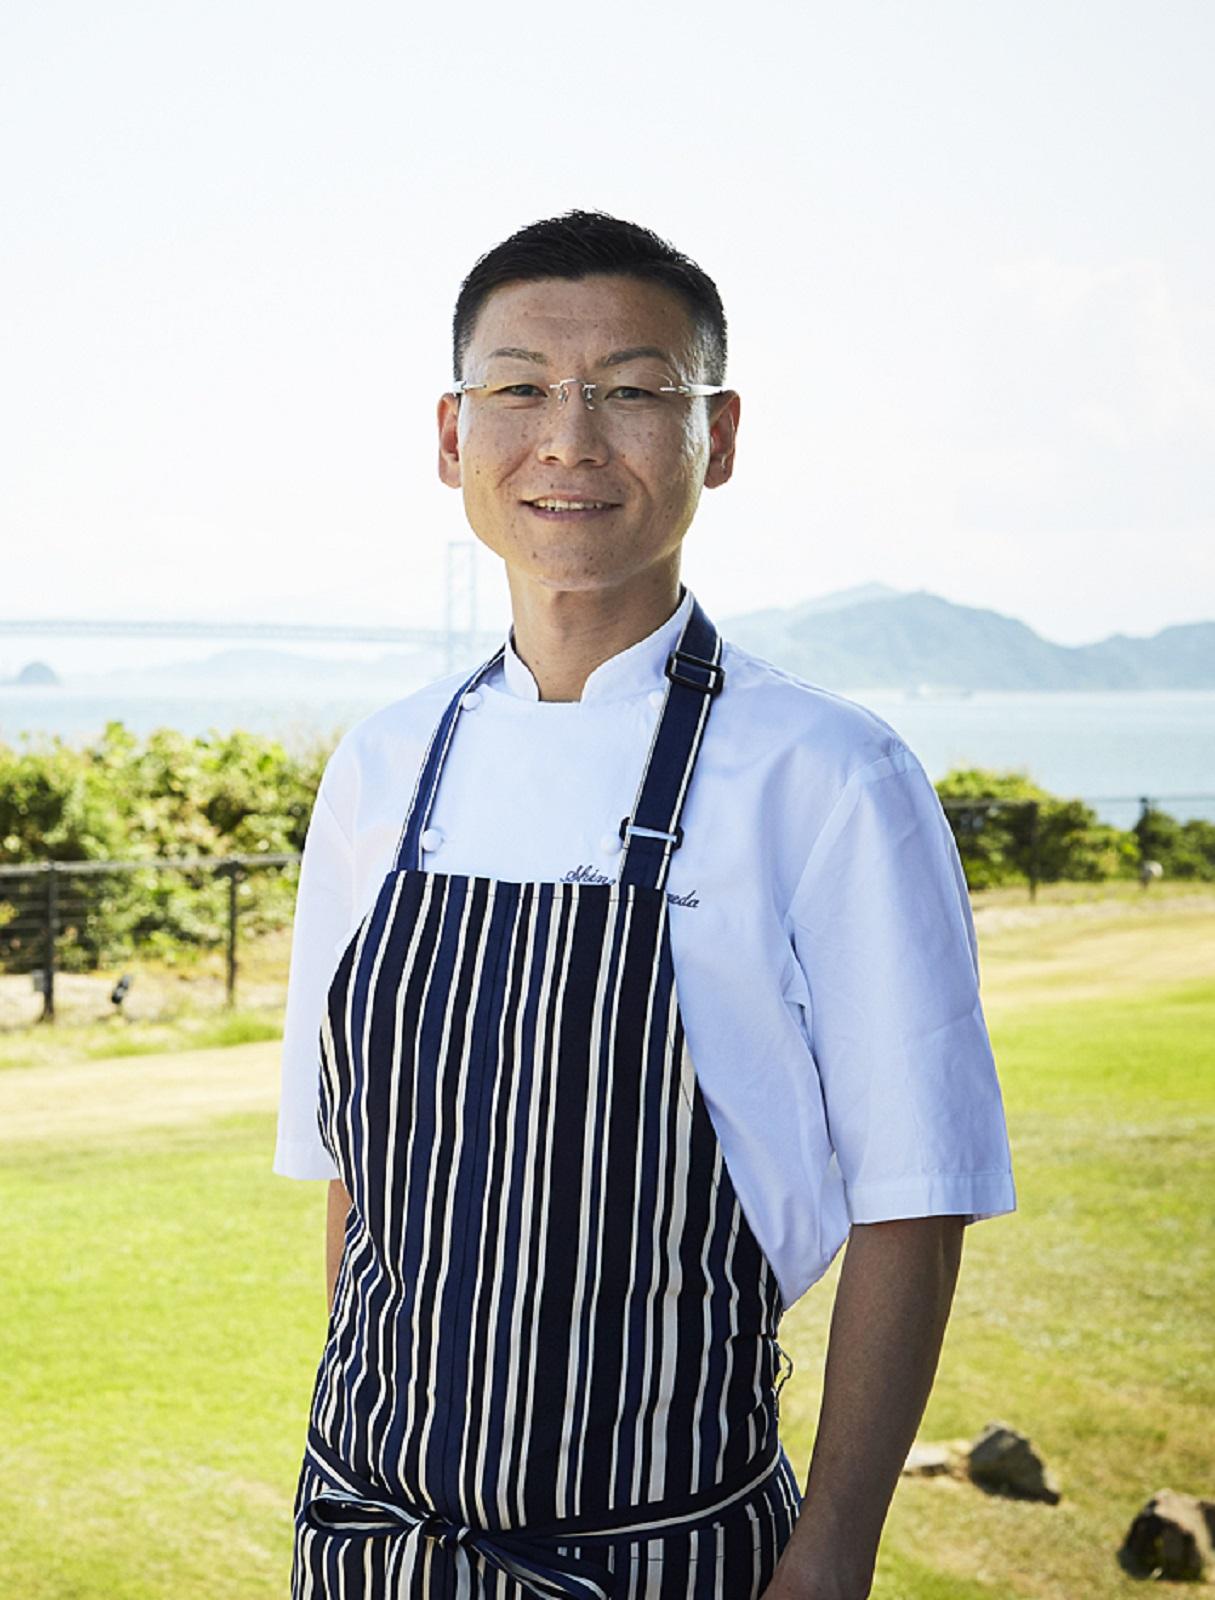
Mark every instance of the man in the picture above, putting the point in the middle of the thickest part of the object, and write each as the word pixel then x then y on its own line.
pixel 655 981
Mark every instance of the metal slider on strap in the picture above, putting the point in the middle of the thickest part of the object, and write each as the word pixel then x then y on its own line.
pixel 682 668
pixel 627 828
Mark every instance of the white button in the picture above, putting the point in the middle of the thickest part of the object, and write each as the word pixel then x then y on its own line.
pixel 657 696
pixel 471 700
pixel 431 839
pixel 610 844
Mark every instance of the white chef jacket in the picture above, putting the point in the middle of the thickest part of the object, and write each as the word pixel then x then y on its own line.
pixel 823 947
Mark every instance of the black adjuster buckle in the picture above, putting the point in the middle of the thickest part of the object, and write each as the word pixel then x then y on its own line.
pixel 716 673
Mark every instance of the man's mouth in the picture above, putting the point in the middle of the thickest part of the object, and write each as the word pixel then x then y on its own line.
pixel 557 506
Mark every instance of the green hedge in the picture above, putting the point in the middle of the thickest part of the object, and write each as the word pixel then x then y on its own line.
pixel 121 798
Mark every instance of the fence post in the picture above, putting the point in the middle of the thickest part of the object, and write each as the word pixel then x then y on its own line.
pixel 1141 827
pixel 1034 859
pixel 233 871
pixel 51 914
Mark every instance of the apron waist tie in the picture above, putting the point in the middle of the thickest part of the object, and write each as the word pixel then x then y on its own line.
pixel 355 1506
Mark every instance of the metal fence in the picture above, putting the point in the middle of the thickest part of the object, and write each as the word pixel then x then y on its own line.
pixel 101 929
pixel 119 921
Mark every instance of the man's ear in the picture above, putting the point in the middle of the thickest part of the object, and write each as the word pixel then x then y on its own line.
pixel 723 432
pixel 449 440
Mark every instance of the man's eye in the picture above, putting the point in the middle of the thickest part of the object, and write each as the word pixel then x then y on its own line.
pixel 631 391
pixel 517 391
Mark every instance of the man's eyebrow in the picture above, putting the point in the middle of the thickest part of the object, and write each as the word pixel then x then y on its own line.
pixel 516 354
pixel 635 353
pixel 618 358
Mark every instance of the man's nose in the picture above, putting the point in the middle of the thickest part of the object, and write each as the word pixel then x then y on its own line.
pixel 573 430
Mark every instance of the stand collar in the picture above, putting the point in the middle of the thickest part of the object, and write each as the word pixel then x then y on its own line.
pixel 634 671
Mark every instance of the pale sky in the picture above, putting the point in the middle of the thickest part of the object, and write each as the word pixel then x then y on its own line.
pixel 966 250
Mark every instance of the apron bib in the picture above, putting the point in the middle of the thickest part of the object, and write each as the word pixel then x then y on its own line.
pixel 551 1367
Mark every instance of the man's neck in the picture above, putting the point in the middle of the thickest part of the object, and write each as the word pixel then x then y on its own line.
pixel 562 635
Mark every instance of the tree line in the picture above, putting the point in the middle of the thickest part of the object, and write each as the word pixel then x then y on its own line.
pixel 1010 830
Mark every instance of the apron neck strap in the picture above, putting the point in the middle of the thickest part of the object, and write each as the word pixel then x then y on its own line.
pixel 417 818
pixel 695 677
pixel 651 832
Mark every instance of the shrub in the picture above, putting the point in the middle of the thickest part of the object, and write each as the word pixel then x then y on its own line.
pixel 1010 830
pixel 169 795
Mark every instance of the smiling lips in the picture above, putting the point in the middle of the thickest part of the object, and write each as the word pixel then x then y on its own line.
pixel 553 506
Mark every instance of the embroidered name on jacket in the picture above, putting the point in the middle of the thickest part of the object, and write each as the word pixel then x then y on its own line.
pixel 586 874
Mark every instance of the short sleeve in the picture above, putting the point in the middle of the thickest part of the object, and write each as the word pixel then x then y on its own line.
pixel 323 916
pixel 882 930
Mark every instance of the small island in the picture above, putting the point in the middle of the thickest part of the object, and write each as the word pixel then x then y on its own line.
pixel 35 675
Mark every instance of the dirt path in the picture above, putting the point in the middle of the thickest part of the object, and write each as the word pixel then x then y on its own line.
pixel 998 916
pixel 1030 955
pixel 1056 954
pixel 95 1098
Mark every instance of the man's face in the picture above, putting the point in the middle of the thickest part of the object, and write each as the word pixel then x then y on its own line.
pixel 633 471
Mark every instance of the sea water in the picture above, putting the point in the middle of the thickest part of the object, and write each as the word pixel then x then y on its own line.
pixel 1109 748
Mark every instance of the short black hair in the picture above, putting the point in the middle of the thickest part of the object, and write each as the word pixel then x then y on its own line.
pixel 583 244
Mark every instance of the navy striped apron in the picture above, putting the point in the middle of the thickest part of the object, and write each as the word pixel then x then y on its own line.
pixel 551 1367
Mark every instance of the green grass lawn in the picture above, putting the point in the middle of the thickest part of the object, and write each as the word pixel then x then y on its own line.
pixel 114 1038
pixel 1085 1319
pixel 162 1313
pixel 160 1326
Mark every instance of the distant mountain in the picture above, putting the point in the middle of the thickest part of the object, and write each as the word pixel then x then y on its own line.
pixel 870 637
pixel 775 616
pixel 876 637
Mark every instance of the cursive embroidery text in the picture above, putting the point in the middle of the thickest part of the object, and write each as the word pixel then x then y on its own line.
pixel 585 874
